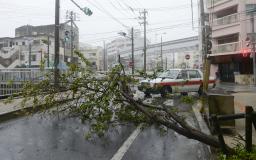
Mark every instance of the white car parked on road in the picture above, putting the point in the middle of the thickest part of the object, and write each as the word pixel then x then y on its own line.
pixel 175 81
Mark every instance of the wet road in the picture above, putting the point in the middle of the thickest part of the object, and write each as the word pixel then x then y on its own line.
pixel 50 138
pixel 46 137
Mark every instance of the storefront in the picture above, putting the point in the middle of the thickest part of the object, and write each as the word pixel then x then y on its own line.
pixel 234 68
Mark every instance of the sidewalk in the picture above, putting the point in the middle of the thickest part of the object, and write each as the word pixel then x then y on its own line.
pixel 244 95
pixel 232 87
pixel 14 106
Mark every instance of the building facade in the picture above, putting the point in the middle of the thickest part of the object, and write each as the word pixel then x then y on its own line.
pixel 173 55
pixel 27 51
pixel 120 46
pixel 231 25
pixel 94 55
pixel 29 46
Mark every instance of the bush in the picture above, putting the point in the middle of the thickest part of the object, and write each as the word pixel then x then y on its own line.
pixel 240 154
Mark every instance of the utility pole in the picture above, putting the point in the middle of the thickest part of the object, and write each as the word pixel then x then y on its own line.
pixel 253 46
pixel 64 43
pixel 104 57
pixel 166 63
pixel 132 51
pixel 173 60
pixel 145 38
pixel 206 61
pixel 162 61
pixel 71 17
pixel 72 35
pixel 29 55
pixel 48 51
pixel 57 42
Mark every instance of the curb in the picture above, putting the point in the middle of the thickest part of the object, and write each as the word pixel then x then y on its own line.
pixel 202 125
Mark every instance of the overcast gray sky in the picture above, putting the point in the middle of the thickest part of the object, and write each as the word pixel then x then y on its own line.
pixel 170 16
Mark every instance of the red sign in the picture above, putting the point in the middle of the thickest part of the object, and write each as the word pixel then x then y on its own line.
pixel 245 51
pixel 187 57
pixel 130 64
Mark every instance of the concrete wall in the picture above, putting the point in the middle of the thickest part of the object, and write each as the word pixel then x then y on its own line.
pixel 240 101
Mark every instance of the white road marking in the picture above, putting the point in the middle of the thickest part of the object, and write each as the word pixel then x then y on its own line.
pixel 127 144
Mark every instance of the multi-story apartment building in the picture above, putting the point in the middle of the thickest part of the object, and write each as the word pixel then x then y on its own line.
pixel 27 50
pixel 119 46
pixel 94 55
pixel 15 51
pixel 231 25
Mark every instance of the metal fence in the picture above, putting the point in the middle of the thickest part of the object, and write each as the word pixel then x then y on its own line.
pixel 12 80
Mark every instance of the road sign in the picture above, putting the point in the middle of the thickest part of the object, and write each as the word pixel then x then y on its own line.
pixel 130 64
pixel 187 57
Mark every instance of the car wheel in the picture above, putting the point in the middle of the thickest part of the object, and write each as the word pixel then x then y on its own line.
pixel 164 91
pixel 200 91
pixel 184 93
pixel 147 95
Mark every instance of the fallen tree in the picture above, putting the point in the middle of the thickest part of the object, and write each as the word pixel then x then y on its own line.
pixel 106 101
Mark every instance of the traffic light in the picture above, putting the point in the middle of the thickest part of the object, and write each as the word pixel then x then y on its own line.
pixel 67 37
pixel 208 39
pixel 87 11
pixel 208 44
pixel 245 51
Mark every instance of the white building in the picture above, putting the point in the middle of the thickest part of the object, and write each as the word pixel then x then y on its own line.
pixel 120 45
pixel 94 54
pixel 174 53
pixel 16 52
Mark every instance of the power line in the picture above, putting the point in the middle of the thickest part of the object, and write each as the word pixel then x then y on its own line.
pixel 169 8
pixel 112 4
pixel 129 8
pixel 102 9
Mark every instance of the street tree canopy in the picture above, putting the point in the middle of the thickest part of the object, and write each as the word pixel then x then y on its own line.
pixel 105 101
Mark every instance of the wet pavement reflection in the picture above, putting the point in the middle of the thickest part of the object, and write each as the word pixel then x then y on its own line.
pixel 45 137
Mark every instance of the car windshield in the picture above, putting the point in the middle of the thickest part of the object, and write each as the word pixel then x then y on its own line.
pixel 169 74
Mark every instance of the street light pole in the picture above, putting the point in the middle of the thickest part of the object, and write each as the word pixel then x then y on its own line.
pixel 29 55
pixel 132 51
pixel 48 51
pixel 57 37
pixel 162 63
pixel 132 39
pixel 253 47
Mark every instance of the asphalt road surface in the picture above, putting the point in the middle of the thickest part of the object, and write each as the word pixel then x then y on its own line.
pixel 48 137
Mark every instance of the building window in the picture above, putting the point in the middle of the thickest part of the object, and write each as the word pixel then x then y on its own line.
pixel 250 8
pixel 22 57
pixel 17 43
pixel 23 43
pixel 194 74
pixel 33 58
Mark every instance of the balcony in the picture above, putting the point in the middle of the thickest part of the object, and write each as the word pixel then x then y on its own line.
pixel 218 5
pixel 230 19
pixel 227 48
pixel 213 2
